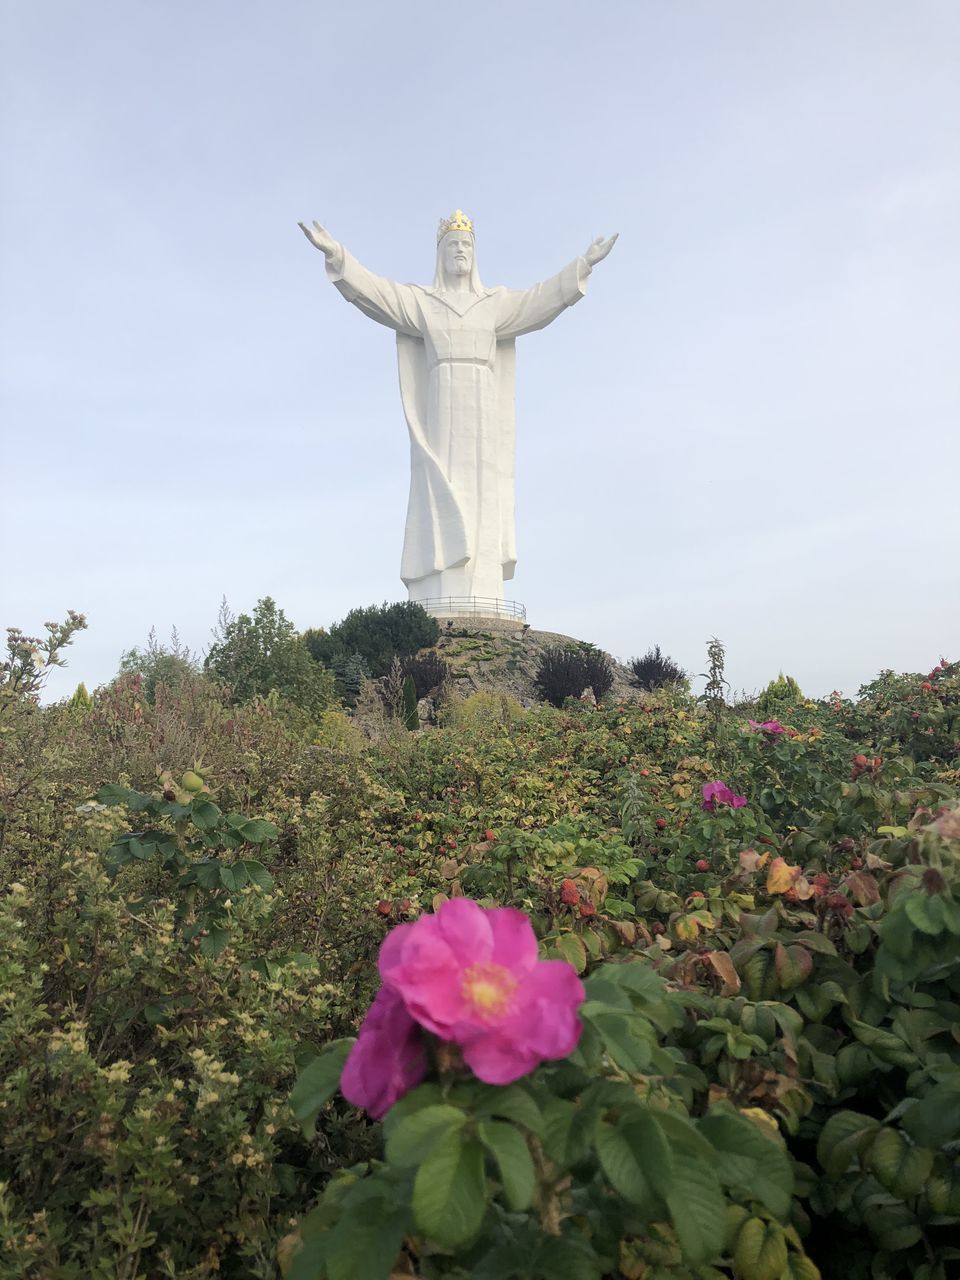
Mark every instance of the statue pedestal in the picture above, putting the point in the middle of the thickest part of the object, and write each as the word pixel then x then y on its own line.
pixel 509 612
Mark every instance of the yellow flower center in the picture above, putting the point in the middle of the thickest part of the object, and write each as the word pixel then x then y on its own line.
pixel 489 988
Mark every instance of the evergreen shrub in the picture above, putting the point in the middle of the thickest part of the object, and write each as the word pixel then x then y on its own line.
pixel 655 670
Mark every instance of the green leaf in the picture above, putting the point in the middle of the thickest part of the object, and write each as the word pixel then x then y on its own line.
pixel 621 1035
pixel 113 793
pixel 256 873
pixel 567 1257
pixel 618 1154
pixel 228 877
pixel 412 1140
pixel 751 1161
pixel 204 814
pixel 449 1192
pixel 215 941
pixel 318 1082
pixel 898 1165
pixel 568 1131
pixel 366 1242
pixel 935 1119
pixel 512 1103
pixel 258 831
pixel 206 874
pixel 509 1148
pixel 569 947
pixel 761 1250
pixel 887 1047
pixel 697 1206
pixel 843 1139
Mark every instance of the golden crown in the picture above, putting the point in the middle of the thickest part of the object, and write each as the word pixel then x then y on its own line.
pixel 459 222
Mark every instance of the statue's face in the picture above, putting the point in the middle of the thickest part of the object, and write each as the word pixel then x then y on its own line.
pixel 458 253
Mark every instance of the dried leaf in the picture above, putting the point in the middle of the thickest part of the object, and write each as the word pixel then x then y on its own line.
pixel 722 965
pixel 781 876
pixel 750 860
pixel 863 886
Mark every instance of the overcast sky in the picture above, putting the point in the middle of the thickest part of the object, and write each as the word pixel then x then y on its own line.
pixel 749 428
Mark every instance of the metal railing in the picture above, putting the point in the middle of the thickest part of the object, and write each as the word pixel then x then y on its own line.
pixel 474 607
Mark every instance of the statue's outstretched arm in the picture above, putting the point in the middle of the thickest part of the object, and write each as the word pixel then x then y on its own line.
pixel 599 249
pixel 522 311
pixel 391 304
pixel 321 239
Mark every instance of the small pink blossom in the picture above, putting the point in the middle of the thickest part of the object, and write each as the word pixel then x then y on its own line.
pixel 472 976
pixel 768 726
pixel 715 793
pixel 388 1059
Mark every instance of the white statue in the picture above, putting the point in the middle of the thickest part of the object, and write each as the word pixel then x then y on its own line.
pixel 456 350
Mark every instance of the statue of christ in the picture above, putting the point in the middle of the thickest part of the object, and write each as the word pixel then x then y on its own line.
pixel 456 351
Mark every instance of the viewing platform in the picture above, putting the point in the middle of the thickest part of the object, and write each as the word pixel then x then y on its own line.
pixel 487 608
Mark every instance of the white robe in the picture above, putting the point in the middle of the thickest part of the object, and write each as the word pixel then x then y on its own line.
pixel 457 358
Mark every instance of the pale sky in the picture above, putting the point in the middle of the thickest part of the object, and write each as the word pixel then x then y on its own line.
pixel 750 427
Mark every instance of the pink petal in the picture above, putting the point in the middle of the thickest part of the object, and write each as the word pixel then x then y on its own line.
pixel 514 942
pixel 388 1059
pixel 546 1017
pixel 465 928
pixel 496 1059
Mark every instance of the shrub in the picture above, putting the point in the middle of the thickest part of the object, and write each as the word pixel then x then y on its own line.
pixel 378 634
pixel 158 664
pixel 427 670
pixel 24 671
pixel 350 670
pixel 597 670
pixel 655 669
pixel 779 697
pixel 264 654
pixel 410 717
pixel 561 674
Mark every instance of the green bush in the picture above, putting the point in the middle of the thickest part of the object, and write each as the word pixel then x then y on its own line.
pixel 779 698
pixel 378 634
pixel 264 654
pixel 565 672
pixel 655 670
pixel 157 664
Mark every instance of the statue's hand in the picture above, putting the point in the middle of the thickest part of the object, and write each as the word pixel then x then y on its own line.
pixel 599 249
pixel 319 237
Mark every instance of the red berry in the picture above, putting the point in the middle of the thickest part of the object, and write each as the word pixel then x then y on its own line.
pixel 451 843
pixel 384 907
pixel 657 927
pixel 860 761
pixel 405 904
pixel 926 686
pixel 703 864
pixel 696 894
pixel 587 909
pixel 489 835
pixel 569 893
pixel 856 863
pixel 661 824
pixel 644 773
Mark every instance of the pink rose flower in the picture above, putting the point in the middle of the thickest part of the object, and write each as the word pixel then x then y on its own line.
pixel 768 726
pixel 472 976
pixel 388 1059
pixel 715 793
